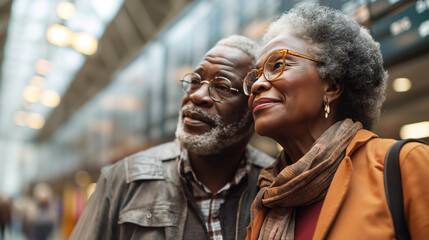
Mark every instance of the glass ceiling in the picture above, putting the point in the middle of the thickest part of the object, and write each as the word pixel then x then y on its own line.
pixel 35 72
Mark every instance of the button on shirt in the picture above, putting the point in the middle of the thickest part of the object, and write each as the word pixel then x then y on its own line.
pixel 208 202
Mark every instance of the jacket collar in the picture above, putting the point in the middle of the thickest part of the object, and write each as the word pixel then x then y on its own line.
pixel 339 186
pixel 148 164
pixel 361 137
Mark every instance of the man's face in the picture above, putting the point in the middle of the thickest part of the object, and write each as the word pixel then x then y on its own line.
pixel 205 126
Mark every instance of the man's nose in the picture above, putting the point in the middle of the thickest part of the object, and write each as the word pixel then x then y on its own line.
pixel 201 96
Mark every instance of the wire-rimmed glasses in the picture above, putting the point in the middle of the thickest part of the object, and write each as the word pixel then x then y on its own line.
pixel 272 69
pixel 219 87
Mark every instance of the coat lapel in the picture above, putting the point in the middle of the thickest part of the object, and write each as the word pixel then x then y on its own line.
pixel 334 198
pixel 339 186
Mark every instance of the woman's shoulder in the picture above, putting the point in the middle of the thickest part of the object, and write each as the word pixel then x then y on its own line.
pixel 377 148
pixel 409 148
pixel 414 155
pixel 369 142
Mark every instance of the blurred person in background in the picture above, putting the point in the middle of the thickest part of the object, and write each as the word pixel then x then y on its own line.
pixel 200 186
pixel 317 90
pixel 41 216
pixel 5 214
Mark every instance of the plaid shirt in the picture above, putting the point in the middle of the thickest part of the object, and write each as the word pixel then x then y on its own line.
pixel 208 202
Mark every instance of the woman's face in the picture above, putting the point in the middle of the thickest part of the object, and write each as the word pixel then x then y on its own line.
pixel 292 101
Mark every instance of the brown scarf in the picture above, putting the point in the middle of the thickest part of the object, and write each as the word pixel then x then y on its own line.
pixel 305 182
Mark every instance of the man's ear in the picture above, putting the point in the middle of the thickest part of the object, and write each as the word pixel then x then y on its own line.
pixel 333 90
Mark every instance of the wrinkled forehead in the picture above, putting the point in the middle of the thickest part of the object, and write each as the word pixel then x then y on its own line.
pixel 226 60
pixel 285 40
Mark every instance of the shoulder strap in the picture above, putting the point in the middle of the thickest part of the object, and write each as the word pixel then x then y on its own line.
pixel 393 187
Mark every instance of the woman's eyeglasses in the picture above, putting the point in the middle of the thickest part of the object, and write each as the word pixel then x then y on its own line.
pixel 272 69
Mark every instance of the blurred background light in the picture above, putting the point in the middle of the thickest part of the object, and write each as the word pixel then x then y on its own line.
pixel 401 84
pixel 20 118
pixel 50 98
pixel 415 130
pixel 31 94
pixel 85 43
pixel 82 178
pixel 35 120
pixel 42 66
pixel 38 81
pixel 59 35
pixel 66 10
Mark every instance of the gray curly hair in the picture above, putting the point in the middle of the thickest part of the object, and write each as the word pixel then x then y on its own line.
pixel 243 43
pixel 348 55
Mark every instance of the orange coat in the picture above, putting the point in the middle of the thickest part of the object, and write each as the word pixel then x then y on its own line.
pixel 355 206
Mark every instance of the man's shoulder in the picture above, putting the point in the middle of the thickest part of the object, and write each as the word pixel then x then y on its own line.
pixel 162 152
pixel 149 164
pixel 258 158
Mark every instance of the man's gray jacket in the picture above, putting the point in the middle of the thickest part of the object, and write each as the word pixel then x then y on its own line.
pixel 144 197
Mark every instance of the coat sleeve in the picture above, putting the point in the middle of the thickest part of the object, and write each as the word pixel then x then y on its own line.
pixel 98 220
pixel 414 166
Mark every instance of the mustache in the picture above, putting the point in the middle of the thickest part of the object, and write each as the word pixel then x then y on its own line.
pixel 214 120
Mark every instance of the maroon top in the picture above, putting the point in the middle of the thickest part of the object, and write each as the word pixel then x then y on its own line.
pixel 306 220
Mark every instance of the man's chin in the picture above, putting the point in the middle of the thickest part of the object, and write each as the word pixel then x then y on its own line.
pixel 203 143
pixel 215 139
pixel 195 130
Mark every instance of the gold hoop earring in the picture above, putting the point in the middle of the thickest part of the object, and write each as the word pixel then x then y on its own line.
pixel 327 109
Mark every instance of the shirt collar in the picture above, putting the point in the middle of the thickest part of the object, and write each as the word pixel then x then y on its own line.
pixel 186 171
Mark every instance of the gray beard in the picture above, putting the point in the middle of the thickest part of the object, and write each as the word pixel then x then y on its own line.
pixel 218 138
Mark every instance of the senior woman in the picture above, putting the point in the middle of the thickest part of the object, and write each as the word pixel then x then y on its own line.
pixel 317 90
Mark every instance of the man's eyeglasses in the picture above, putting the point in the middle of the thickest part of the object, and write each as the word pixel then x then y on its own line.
pixel 272 69
pixel 219 87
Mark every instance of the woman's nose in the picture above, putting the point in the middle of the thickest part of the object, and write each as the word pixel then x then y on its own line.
pixel 260 85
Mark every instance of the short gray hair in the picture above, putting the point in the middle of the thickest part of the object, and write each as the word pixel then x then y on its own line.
pixel 348 56
pixel 243 43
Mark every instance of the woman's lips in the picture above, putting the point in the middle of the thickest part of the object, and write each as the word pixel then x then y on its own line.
pixel 263 103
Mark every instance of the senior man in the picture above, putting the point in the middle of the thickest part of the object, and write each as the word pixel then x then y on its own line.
pixel 199 186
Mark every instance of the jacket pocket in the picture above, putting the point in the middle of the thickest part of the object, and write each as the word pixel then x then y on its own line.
pixel 158 217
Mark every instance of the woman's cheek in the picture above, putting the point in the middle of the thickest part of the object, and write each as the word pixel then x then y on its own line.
pixel 250 102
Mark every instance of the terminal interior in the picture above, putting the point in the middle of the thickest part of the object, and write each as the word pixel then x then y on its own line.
pixel 85 83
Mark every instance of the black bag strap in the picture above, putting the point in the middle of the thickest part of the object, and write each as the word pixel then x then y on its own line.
pixel 393 187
